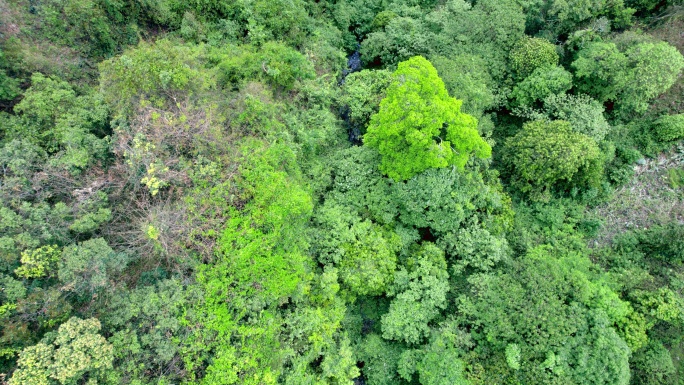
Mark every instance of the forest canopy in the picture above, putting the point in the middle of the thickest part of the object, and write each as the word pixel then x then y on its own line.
pixel 343 192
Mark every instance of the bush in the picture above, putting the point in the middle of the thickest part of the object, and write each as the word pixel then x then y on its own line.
pixel 669 127
pixel 675 176
pixel 155 72
pixel 275 63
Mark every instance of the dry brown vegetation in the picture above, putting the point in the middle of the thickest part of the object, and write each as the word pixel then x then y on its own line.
pixel 648 199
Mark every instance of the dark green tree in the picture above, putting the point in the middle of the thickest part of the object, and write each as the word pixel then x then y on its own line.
pixel 71 126
pixel 89 265
pixel 669 127
pixel 363 252
pixel 419 292
pixel 545 156
pixel 466 78
pixel 543 82
pixel 401 39
pixel 631 77
pixel 584 114
pixel 489 29
pixel 530 53
pixel 563 322
pixel 145 327
pixel 9 87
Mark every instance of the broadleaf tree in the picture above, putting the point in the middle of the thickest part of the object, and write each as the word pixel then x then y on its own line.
pixel 419 126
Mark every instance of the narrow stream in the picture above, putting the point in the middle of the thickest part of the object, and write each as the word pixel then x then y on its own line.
pixel 353 65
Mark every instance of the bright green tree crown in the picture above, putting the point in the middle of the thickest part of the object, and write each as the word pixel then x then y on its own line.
pixel 419 126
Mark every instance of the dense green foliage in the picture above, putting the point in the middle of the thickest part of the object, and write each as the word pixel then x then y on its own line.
pixel 530 53
pixel 65 356
pixel 202 192
pixel 419 126
pixel 544 155
pixel 630 76
pixel 542 83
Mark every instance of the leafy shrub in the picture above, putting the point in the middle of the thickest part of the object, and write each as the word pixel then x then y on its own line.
pixel 669 127
pixel 275 63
